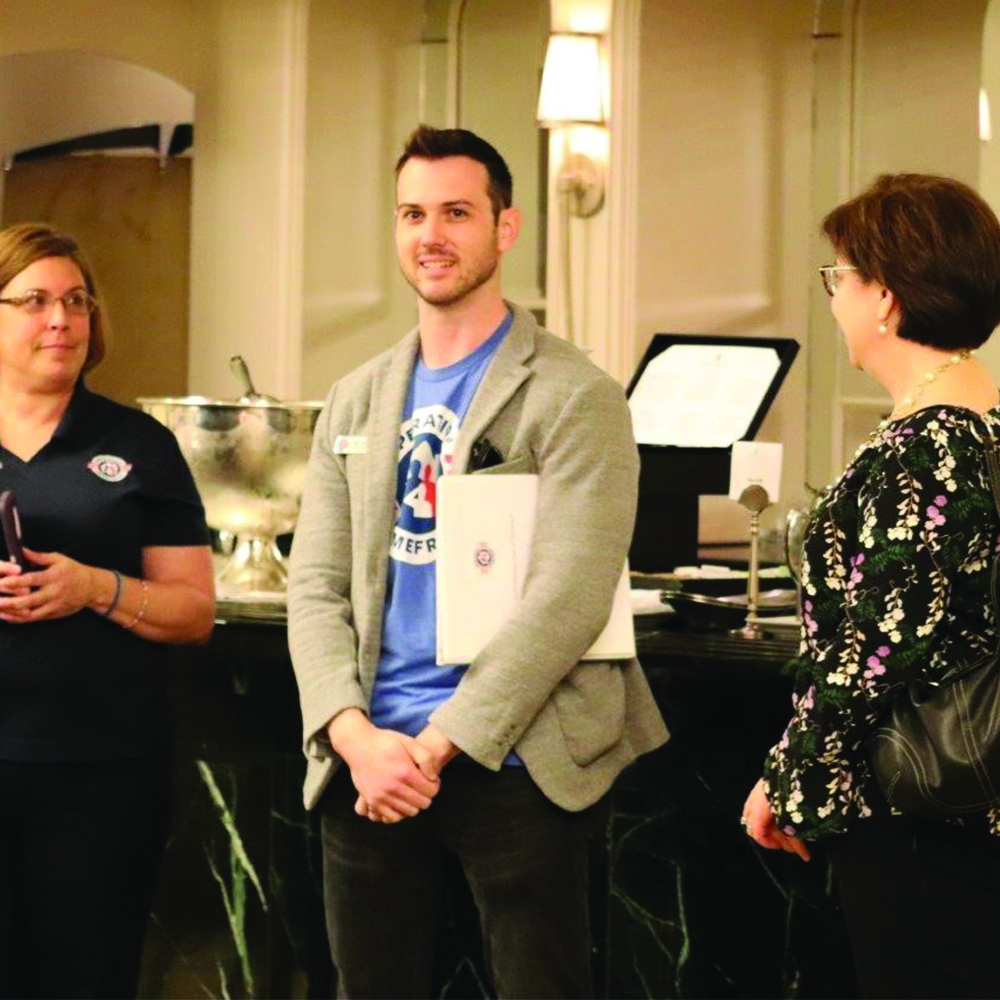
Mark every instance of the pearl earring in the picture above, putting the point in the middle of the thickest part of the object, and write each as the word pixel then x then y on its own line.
pixel 883 329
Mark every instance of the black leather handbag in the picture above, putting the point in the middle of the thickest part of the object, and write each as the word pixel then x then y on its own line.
pixel 937 752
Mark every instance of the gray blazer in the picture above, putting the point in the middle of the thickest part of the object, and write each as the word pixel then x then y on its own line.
pixel 550 411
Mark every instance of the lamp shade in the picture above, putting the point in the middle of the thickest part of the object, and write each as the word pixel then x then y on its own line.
pixel 571 81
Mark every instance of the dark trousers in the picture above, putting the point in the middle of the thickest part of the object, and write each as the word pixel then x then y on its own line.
pixel 79 846
pixel 527 864
pixel 922 902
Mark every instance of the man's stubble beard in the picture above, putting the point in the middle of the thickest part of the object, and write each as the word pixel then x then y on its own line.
pixel 450 298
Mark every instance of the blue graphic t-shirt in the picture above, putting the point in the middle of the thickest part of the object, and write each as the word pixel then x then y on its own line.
pixel 409 684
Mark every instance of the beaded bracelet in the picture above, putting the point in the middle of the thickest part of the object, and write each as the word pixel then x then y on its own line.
pixel 118 594
pixel 142 610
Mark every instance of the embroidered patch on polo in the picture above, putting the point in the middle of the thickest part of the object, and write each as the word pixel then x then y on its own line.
pixel 110 468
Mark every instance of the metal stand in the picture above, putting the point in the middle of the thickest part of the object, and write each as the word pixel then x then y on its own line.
pixel 256 568
pixel 755 499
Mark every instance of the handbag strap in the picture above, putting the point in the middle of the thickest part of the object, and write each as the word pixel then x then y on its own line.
pixel 993 474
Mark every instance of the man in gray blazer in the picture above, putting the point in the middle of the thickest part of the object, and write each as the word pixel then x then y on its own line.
pixel 532 737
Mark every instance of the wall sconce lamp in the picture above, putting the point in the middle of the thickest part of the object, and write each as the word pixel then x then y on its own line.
pixel 572 94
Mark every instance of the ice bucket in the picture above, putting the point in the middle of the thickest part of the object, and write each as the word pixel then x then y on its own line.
pixel 249 462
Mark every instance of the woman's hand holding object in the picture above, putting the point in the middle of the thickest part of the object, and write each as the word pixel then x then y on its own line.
pixel 60 587
pixel 758 820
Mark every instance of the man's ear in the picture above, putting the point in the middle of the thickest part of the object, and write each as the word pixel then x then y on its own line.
pixel 508 226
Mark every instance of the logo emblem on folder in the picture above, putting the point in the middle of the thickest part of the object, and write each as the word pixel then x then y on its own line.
pixel 485 557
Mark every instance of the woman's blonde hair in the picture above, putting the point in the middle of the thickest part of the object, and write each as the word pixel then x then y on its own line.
pixel 26 242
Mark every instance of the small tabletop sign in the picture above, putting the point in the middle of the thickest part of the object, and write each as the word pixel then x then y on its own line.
pixel 755 463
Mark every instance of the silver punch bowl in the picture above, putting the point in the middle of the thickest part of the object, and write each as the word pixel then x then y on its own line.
pixel 249 462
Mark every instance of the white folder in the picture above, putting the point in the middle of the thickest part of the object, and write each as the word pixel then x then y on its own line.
pixel 484 529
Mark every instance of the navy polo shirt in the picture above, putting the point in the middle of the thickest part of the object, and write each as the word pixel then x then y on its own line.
pixel 110 482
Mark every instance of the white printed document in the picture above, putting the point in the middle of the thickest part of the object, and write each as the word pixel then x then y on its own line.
pixel 701 395
pixel 484 529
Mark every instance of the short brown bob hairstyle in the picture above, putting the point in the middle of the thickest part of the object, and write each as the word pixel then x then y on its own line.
pixel 935 244
pixel 26 242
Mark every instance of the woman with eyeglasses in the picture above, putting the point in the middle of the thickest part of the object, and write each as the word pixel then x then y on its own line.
pixel 896 575
pixel 117 566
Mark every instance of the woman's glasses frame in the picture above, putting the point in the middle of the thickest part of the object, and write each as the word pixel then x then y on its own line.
pixel 35 302
pixel 830 273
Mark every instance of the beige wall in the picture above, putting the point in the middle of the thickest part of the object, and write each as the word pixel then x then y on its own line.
pixel 245 247
pixel 132 220
pixel 724 217
pixel 503 50
pixel 164 35
pixel 361 104
pixel 989 152
pixel 917 84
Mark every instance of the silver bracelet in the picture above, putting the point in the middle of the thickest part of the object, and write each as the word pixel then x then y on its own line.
pixel 118 594
pixel 142 610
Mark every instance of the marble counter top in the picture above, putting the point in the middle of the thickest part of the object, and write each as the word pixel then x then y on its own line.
pixel 656 635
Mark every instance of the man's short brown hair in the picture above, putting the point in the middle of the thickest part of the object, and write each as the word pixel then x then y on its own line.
pixel 438 143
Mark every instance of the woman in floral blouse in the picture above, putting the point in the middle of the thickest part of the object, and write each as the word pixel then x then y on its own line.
pixel 896 587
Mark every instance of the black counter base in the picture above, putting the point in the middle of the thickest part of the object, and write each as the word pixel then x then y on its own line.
pixel 684 904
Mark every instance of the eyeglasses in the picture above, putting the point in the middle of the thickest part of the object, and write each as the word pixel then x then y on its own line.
pixel 830 273
pixel 35 303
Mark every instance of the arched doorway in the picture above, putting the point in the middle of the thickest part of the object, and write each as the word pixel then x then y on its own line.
pixel 100 147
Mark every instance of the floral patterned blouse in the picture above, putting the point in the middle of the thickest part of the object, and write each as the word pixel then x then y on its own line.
pixel 896 575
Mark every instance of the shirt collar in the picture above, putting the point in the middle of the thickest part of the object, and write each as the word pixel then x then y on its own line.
pixel 75 418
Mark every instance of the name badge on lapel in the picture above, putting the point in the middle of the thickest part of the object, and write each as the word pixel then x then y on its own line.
pixel 350 444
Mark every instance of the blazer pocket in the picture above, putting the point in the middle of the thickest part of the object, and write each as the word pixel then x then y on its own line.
pixel 513 466
pixel 590 704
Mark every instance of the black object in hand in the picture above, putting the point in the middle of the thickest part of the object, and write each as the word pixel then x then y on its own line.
pixel 11 523
pixel 484 455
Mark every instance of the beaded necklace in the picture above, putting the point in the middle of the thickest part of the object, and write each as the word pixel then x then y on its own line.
pixel 907 401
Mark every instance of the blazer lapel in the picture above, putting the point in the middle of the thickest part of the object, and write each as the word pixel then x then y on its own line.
pixel 504 376
pixel 388 396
